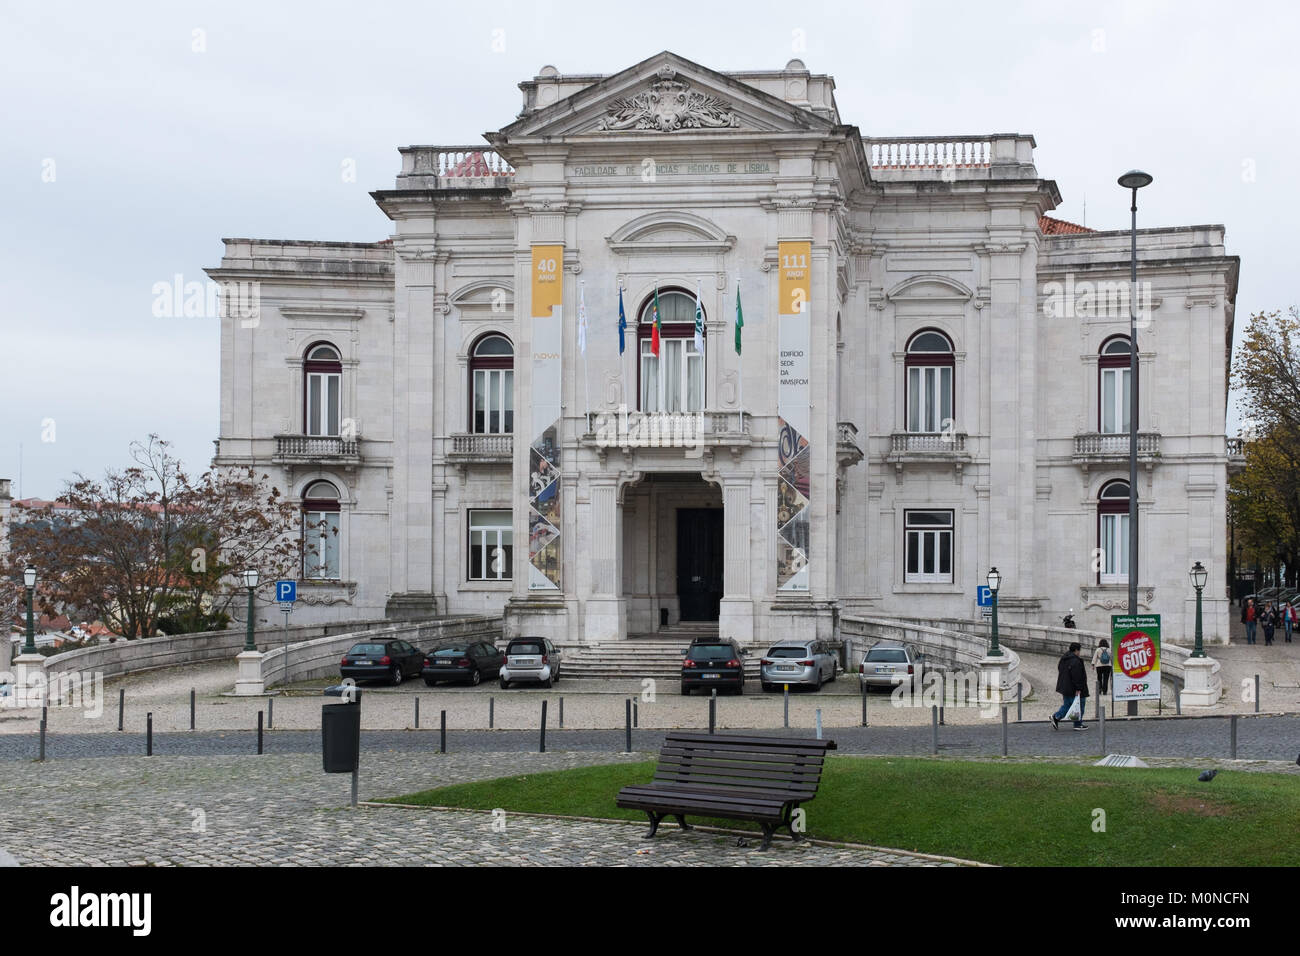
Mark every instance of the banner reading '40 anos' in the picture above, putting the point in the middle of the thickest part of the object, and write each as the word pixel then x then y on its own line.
pixel 1135 653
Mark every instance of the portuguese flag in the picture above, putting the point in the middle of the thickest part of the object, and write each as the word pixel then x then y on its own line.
pixel 655 330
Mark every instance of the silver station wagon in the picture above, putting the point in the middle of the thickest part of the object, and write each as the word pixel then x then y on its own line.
pixel 807 663
pixel 889 664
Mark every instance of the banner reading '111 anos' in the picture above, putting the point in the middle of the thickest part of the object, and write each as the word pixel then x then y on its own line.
pixel 793 491
pixel 544 448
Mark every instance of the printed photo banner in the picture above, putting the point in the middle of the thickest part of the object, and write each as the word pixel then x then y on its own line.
pixel 544 448
pixel 794 343
pixel 1135 654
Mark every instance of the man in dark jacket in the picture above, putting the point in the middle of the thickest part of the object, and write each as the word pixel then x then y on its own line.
pixel 1071 680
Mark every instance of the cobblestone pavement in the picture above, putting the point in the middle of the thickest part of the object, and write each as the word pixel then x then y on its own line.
pixel 283 811
pixel 1258 738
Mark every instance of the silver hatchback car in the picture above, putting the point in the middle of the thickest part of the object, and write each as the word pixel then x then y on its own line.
pixel 532 660
pixel 889 664
pixel 811 663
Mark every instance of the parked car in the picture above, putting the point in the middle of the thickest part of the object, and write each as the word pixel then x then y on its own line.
pixel 798 662
pixel 889 664
pixel 713 662
pixel 389 660
pixel 463 661
pixel 530 660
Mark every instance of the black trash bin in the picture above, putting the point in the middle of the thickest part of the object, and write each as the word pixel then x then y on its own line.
pixel 340 733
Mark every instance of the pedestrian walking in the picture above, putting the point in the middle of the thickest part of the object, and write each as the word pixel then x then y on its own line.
pixel 1268 620
pixel 1101 662
pixel 1248 615
pixel 1072 685
pixel 1288 619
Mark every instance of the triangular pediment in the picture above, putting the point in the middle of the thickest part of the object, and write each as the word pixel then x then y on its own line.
pixel 666 95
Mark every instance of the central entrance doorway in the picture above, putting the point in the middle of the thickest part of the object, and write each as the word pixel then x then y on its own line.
pixel 699 563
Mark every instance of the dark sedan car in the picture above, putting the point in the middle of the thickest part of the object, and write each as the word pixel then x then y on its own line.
pixel 713 663
pixel 388 660
pixel 465 661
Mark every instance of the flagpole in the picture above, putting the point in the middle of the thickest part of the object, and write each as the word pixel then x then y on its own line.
pixel 740 376
pixel 586 386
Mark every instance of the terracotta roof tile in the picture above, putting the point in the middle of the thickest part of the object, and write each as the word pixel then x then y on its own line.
pixel 1059 227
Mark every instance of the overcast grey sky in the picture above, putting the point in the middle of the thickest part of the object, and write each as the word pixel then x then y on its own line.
pixel 128 153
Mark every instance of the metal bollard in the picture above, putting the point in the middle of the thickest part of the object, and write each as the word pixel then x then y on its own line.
pixel 635 715
pixel 819 723
pixel 148 734
pixel 1004 730
pixel 934 730
pixel 42 756
pixel 1178 700
pixel 786 719
pixel 270 713
pixel 561 713
pixel 1257 693
pixel 417 713
pixel 864 705
pixel 627 724
pixel 1101 718
pixel 191 708
pixel 492 707
pixel 259 732
pixel 543 743
pixel 442 732
pixel 121 705
pixel 941 715
pixel 1232 746
pixel 713 712
pixel 1020 694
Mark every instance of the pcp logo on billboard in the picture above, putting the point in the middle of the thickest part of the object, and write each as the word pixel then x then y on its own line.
pixel 1137 654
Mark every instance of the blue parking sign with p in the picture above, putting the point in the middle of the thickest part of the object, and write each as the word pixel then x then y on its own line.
pixel 286 591
pixel 983 596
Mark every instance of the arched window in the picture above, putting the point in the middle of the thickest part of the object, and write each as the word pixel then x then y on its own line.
pixel 1113 386
pixel 492 386
pixel 322 375
pixel 673 381
pixel 320 532
pixel 930 367
pixel 1113 532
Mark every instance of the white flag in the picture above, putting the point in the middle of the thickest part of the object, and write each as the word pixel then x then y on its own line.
pixel 582 318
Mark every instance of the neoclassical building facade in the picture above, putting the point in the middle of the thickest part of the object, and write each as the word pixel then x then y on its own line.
pixel 683 346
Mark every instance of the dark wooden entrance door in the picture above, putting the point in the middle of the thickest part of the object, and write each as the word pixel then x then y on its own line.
pixel 699 563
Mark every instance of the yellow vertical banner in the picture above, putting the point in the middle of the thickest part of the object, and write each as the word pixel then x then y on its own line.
pixel 548 282
pixel 796 277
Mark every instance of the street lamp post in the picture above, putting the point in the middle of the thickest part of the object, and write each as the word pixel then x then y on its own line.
pixel 250 582
pixel 1133 180
pixel 29 581
pixel 1199 576
pixel 994 582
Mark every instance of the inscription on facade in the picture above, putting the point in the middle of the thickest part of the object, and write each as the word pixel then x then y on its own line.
pixel 676 169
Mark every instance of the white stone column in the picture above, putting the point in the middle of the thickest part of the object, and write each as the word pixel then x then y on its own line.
pixel 736 612
pixel 1202 685
pixel 606 614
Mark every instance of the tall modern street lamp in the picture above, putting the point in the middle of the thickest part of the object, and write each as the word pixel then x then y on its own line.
pixel 250 582
pixel 1133 180
pixel 1199 577
pixel 995 582
pixel 29 581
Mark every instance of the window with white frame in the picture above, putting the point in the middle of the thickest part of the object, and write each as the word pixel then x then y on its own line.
pixel 928 545
pixel 929 367
pixel 1114 384
pixel 1113 533
pixel 320 532
pixel 673 380
pixel 322 378
pixel 493 386
pixel 491 545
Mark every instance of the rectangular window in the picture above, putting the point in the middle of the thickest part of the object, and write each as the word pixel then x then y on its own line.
pixel 494 403
pixel 929 398
pixel 673 382
pixel 1115 401
pixel 928 547
pixel 1114 549
pixel 491 545
pixel 320 557
pixel 323 403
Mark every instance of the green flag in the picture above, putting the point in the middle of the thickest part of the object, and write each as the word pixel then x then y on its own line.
pixel 740 318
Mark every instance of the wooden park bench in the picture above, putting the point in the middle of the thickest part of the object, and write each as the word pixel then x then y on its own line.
pixel 739 778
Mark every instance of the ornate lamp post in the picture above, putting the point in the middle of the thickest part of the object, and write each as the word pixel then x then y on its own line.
pixel 29 581
pixel 995 582
pixel 250 582
pixel 1199 576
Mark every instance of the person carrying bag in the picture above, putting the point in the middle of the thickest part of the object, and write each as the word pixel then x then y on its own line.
pixel 1072 685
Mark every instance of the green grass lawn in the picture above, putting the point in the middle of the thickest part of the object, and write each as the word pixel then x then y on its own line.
pixel 1010 814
